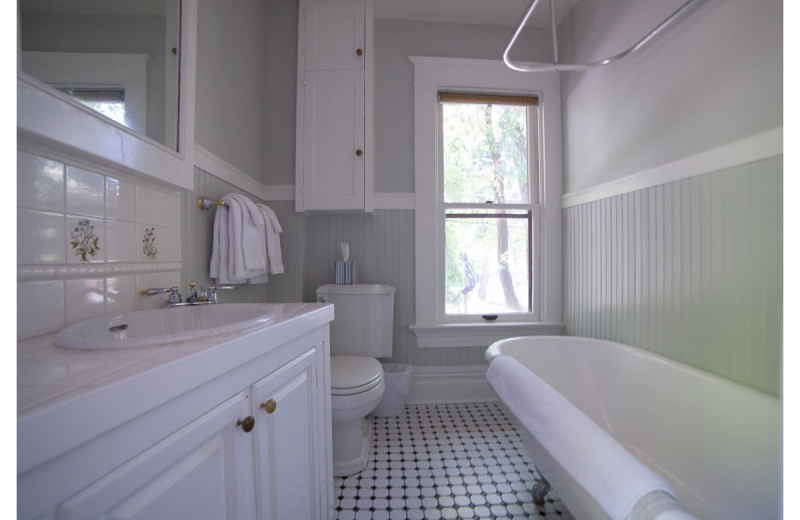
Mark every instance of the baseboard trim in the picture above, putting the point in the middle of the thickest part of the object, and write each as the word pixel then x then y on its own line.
pixel 457 384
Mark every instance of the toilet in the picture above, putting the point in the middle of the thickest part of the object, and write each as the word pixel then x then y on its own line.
pixel 360 332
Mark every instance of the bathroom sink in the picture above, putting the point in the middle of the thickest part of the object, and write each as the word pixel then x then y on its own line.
pixel 160 326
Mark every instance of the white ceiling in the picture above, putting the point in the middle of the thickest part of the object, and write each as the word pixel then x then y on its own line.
pixel 491 12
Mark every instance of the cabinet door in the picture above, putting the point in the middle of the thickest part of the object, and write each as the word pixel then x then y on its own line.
pixel 285 404
pixel 334 154
pixel 203 471
pixel 334 35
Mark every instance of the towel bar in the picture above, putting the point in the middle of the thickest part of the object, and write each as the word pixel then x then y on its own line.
pixel 204 203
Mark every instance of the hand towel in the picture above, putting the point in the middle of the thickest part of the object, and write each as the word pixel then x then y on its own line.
pixel 247 255
pixel 273 227
pixel 604 468
pixel 239 241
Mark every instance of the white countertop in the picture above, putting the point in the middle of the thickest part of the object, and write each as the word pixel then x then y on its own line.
pixel 67 396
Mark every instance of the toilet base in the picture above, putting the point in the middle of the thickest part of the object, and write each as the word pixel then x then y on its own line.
pixel 351 443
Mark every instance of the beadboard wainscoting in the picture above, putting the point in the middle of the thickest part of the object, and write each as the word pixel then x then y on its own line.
pixel 690 269
pixel 89 240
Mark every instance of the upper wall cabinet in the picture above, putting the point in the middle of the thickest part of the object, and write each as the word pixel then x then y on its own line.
pixel 335 151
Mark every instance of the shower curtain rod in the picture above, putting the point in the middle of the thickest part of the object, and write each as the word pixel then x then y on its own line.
pixel 556 66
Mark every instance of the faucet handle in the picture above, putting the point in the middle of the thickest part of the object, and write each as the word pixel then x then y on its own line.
pixel 159 290
pixel 174 293
pixel 212 291
pixel 224 287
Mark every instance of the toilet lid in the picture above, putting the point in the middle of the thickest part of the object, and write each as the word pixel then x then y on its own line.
pixel 354 374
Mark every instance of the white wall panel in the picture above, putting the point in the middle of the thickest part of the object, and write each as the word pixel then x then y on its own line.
pixel 691 270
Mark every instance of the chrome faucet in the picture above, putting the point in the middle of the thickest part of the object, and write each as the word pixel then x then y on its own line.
pixel 199 295
pixel 175 297
pixel 202 294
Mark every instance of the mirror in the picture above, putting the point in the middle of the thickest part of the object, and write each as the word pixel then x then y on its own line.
pixel 118 57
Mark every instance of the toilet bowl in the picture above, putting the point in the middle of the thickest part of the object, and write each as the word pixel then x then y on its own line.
pixel 357 388
pixel 361 332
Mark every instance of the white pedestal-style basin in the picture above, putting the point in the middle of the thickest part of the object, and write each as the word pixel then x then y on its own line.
pixel 160 326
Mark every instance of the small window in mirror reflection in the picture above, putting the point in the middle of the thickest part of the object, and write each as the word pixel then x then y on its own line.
pixel 108 101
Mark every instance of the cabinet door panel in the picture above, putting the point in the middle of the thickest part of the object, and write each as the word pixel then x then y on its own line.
pixel 201 471
pixel 334 154
pixel 286 441
pixel 334 33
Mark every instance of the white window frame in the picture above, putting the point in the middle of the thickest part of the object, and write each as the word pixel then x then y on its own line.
pixel 432 327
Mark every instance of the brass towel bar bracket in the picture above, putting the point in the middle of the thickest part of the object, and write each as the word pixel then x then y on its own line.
pixel 205 203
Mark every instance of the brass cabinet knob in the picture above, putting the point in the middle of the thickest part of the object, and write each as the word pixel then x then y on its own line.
pixel 359 152
pixel 269 406
pixel 247 424
pixel 359 52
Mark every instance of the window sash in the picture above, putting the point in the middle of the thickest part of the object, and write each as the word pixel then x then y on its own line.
pixel 484 214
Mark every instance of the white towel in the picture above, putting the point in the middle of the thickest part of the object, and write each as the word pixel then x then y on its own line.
pixel 604 468
pixel 218 268
pixel 247 254
pixel 274 257
pixel 245 242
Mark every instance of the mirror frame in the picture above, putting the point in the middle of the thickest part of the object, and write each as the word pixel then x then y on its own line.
pixel 52 119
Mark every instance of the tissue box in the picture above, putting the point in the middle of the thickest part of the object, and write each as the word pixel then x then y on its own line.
pixel 345 273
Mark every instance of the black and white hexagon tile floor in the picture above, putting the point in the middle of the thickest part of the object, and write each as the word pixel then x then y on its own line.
pixel 445 461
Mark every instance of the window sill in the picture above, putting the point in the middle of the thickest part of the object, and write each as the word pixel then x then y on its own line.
pixel 479 334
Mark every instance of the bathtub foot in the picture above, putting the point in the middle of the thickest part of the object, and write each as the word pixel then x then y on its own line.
pixel 540 490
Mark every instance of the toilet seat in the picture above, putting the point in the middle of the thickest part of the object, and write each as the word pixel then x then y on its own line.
pixel 354 374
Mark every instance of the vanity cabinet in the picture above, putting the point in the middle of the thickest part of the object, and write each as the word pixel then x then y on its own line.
pixel 287 456
pixel 257 451
pixel 334 146
pixel 201 471
pixel 252 442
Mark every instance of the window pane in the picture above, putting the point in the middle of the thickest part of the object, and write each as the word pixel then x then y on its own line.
pixel 485 151
pixel 108 101
pixel 487 263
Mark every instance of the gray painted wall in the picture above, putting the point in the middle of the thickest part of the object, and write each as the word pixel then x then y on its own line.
pixel 230 82
pixel 281 91
pixel 395 41
pixel 713 79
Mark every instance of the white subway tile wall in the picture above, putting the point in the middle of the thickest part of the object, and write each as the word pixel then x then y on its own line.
pixel 88 242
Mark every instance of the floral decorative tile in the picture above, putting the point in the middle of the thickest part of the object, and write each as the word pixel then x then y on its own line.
pixel 83 240
pixel 149 249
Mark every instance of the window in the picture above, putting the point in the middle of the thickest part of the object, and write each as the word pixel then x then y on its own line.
pixel 487 201
pixel 489 155
pixel 109 101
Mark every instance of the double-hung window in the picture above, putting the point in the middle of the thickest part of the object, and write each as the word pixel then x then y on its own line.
pixel 489 164
pixel 487 202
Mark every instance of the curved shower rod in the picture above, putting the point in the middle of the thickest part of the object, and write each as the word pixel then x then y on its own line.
pixel 556 66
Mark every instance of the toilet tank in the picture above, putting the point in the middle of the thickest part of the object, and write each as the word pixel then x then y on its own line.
pixel 363 318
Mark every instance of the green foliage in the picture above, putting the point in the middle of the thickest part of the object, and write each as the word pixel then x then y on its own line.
pixel 485 153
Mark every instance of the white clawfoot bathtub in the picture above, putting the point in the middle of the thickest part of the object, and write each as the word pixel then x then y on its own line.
pixel 619 432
